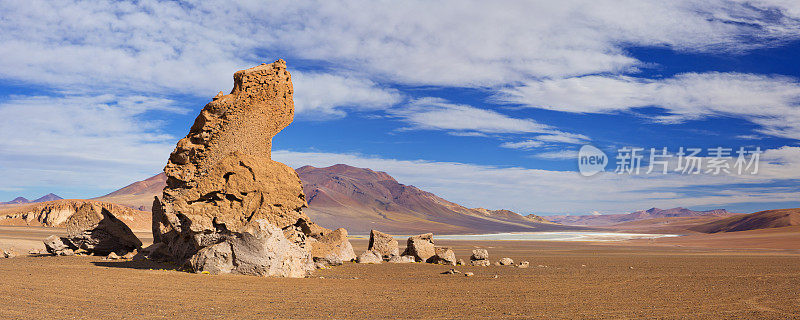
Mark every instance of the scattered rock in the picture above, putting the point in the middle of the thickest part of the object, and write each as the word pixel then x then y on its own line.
pixel 506 262
pixel 494 277
pixel 468 274
pixel 9 253
pixel 370 257
pixel 479 254
pixel 481 263
pixel 523 264
pixel 260 249
pixel 383 243
pixel 112 256
pixel 95 230
pixel 420 247
pixel 451 271
pixel 402 259
pixel 443 255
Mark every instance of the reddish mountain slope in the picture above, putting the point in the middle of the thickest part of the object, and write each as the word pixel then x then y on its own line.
pixel 759 220
pixel 362 199
pixel 138 195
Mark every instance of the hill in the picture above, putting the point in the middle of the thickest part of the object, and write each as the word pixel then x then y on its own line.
pixel 362 199
pixel 759 220
pixel 138 195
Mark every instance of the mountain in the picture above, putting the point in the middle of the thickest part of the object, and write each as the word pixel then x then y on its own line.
pixel 17 200
pixel 759 220
pixel 652 213
pixel 138 195
pixel 22 200
pixel 361 199
pixel 48 197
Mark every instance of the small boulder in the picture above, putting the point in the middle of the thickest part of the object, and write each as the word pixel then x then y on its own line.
pixel 523 264
pixel 383 243
pixel 112 256
pixel 370 257
pixel 460 262
pixel 479 254
pixel 481 263
pixel 402 259
pixel 443 255
pixel 420 247
pixel 58 246
pixel 9 253
pixel 468 274
pixel 329 261
pixel 505 262
pixel 332 245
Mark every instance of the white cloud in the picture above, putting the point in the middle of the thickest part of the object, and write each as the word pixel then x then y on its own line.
pixel 524 145
pixel 325 95
pixel 558 155
pixel 534 190
pixel 94 142
pixel 193 47
pixel 770 101
pixel 438 114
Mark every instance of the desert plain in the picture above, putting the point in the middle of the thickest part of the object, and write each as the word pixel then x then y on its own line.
pixel 693 277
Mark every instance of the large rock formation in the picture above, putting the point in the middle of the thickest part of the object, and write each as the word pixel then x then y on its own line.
pixel 94 229
pixel 222 185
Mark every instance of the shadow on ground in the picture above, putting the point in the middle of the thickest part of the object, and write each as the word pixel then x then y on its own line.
pixel 141 265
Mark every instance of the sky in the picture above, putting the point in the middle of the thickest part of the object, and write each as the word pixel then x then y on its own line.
pixel 485 106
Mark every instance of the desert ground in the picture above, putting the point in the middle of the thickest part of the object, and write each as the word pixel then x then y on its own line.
pixel 663 279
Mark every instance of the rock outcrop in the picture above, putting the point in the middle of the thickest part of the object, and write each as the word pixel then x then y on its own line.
pixel 95 230
pixel 223 189
pixel 383 243
pixel 420 247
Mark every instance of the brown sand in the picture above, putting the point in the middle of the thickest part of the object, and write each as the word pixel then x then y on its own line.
pixel 575 280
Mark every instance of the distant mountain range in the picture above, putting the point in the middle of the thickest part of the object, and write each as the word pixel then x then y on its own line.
pixel 44 198
pixel 652 213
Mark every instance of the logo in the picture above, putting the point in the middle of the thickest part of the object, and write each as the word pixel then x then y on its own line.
pixel 591 160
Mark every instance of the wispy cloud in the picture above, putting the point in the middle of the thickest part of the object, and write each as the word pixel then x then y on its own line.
pixel 773 102
pixel 439 114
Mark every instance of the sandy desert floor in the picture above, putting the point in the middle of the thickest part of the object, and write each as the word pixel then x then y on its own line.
pixel 565 281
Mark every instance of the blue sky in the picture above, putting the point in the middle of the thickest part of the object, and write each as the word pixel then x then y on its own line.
pixel 485 107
